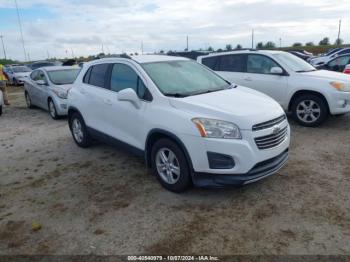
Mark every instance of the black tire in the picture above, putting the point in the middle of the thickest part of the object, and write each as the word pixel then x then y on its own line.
pixel 53 111
pixel 85 140
pixel 28 100
pixel 15 82
pixel 0 110
pixel 314 103
pixel 183 179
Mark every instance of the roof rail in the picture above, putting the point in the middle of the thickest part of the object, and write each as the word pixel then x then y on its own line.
pixel 114 56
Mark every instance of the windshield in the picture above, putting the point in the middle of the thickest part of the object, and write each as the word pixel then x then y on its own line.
pixel 294 63
pixel 21 69
pixel 184 78
pixel 63 77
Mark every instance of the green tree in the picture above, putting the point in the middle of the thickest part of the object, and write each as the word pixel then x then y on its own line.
pixel 297 44
pixel 260 45
pixel 161 51
pixel 219 50
pixel 270 45
pixel 325 41
pixel 238 46
pixel 228 47
pixel 309 44
pixel 210 49
pixel 339 41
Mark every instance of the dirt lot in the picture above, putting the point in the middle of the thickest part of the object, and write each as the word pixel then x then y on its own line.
pixel 104 201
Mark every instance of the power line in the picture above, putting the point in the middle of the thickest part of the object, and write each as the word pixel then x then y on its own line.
pixel 20 29
pixel 3 46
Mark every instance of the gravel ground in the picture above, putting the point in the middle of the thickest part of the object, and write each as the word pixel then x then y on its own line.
pixel 104 201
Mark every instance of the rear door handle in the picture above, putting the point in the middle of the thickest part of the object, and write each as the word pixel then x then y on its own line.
pixel 248 79
pixel 107 101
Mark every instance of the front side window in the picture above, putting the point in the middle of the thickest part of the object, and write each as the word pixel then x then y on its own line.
pixel 339 63
pixel 123 77
pixel 34 75
pixel 259 64
pixel 184 78
pixel 98 75
pixel 232 63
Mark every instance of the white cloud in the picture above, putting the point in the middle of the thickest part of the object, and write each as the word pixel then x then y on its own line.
pixel 83 26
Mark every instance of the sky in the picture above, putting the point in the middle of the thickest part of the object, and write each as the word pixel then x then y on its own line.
pixel 66 28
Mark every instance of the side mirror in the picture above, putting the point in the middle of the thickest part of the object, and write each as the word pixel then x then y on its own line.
pixel 276 70
pixel 41 82
pixel 130 96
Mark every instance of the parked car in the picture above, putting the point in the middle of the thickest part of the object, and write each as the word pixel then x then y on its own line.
pixel 39 64
pixel 310 94
pixel 318 61
pixel 17 74
pixel 190 125
pixel 1 102
pixel 347 69
pixel 302 54
pixel 48 87
pixel 337 64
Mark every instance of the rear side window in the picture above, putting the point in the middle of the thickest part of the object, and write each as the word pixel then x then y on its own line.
pixel 97 75
pixel 123 77
pixel 232 63
pixel 211 62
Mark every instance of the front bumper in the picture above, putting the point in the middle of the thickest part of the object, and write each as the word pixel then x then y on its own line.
pixel 258 172
pixel 339 103
pixel 61 106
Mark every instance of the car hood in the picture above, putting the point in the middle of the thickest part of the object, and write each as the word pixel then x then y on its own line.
pixel 22 74
pixel 242 106
pixel 328 75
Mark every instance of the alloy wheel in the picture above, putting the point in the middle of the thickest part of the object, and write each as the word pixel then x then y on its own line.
pixel 168 166
pixel 52 109
pixel 77 130
pixel 308 111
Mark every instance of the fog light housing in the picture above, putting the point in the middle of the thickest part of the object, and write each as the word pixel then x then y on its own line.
pixel 220 161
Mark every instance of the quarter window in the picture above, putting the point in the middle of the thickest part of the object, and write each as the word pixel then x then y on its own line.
pixel 260 64
pixel 123 77
pixel 98 74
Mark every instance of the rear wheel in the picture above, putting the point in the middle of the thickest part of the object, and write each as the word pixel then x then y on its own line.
pixel 52 109
pixel 310 110
pixel 170 166
pixel 79 131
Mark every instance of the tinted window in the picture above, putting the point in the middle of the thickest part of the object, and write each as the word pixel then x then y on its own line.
pixel 211 62
pixel 232 63
pixel 339 63
pixel 33 75
pixel 123 77
pixel 259 64
pixel 345 51
pixel 98 75
pixel 87 75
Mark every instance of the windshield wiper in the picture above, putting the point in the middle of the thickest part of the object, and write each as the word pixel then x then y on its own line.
pixel 175 95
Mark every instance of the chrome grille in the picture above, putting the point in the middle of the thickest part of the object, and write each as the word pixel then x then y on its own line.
pixel 269 124
pixel 273 140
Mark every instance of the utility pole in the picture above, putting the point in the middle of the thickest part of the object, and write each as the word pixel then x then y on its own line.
pixel 21 32
pixel 3 46
pixel 187 43
pixel 142 47
pixel 103 51
pixel 48 55
pixel 280 42
pixel 339 32
pixel 253 38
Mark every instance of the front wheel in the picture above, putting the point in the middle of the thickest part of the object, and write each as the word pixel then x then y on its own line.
pixel 28 100
pixel 310 110
pixel 170 166
pixel 52 109
pixel 79 131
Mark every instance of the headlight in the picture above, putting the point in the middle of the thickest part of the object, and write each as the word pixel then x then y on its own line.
pixel 340 86
pixel 61 94
pixel 212 128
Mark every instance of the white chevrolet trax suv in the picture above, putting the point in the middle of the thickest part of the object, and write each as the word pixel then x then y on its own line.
pixel 190 125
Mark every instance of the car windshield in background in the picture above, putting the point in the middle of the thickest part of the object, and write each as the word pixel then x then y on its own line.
pixel 294 63
pixel 21 69
pixel 63 77
pixel 184 78
pixel 38 65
